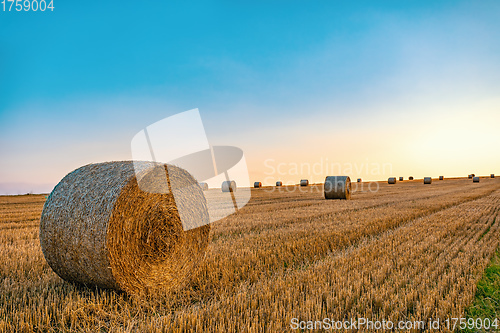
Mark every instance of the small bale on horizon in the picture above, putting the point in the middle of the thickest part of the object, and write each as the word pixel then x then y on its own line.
pixel 228 186
pixel 401 179
pixel 391 180
pixel 304 182
pixel 204 186
pixel 475 179
pixel 441 177
pixel 428 180
pixel 279 183
pixel 492 175
pixel 257 184
pixel 359 180
pixel 410 178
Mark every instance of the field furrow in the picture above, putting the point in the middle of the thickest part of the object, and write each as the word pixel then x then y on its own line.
pixel 261 252
pixel 426 268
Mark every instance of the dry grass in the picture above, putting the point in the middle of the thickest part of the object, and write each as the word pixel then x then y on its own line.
pixel 409 251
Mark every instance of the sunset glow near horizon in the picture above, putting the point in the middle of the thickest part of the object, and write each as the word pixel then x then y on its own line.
pixel 369 90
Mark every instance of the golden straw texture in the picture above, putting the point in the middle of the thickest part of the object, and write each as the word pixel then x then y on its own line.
pixel 99 228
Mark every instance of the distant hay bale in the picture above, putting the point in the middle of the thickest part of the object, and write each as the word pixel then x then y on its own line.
pixel 304 182
pixel 401 179
pixel 470 176
pixel 337 187
pixel 475 179
pixel 279 183
pixel 492 175
pixel 427 180
pixel 257 184
pixel 392 180
pixel 410 178
pixel 228 186
pixel 441 177
pixel 359 180
pixel 204 186
pixel 99 228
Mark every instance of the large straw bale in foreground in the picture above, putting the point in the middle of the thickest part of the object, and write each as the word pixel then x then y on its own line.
pixel 337 187
pixel 98 228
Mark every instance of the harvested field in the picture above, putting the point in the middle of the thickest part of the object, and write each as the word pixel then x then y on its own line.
pixel 408 251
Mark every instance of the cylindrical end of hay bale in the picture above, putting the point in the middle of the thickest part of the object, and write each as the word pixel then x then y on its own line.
pixel 392 180
pixel 427 180
pixel 359 180
pixel 441 177
pixel 401 179
pixel 257 184
pixel 492 175
pixel 337 187
pixel 279 183
pixel 99 228
pixel 410 178
pixel 304 182
pixel 204 186
pixel 475 179
pixel 228 186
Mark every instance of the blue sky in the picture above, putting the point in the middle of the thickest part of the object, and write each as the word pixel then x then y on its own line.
pixel 293 81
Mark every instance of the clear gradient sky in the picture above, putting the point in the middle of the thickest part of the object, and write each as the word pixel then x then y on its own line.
pixel 411 83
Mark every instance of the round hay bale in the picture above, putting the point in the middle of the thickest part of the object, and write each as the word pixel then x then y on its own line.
pixel 410 178
pixel 359 180
pixel 401 179
pixel 304 182
pixel 228 186
pixel 441 177
pixel 337 187
pixel 392 180
pixel 427 180
pixel 257 184
pixel 492 175
pixel 470 176
pixel 279 183
pixel 204 186
pixel 475 179
pixel 99 228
